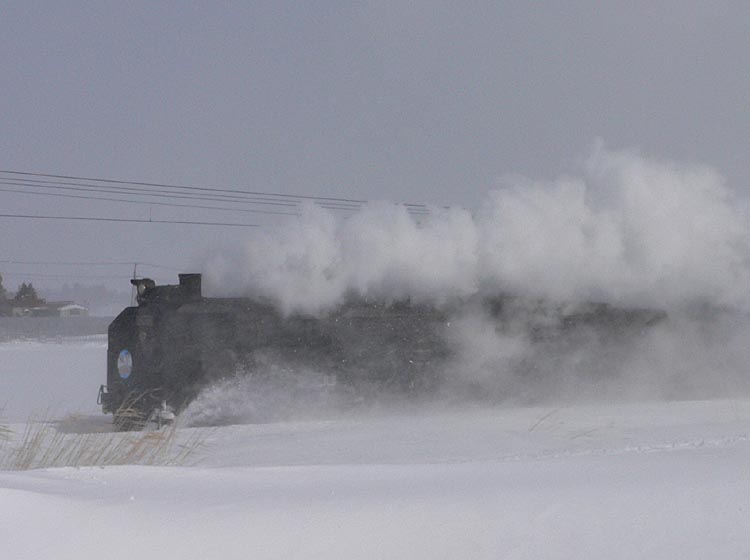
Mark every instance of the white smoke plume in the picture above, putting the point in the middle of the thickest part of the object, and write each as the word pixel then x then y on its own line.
pixel 311 263
pixel 629 230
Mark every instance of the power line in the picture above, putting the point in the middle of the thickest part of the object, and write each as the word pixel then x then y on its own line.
pixel 349 202
pixel 183 187
pixel 82 187
pixel 156 194
pixel 413 211
pixel 53 275
pixel 90 263
pixel 132 191
pixel 118 188
pixel 149 202
pixel 125 220
pixel 79 275
pixel 160 193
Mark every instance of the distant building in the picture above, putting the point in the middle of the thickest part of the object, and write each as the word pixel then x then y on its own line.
pixel 73 310
pixel 52 309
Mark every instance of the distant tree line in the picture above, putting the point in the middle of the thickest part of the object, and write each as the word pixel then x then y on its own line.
pixel 25 296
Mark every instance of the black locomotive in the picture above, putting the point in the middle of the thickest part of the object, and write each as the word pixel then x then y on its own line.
pixel 175 342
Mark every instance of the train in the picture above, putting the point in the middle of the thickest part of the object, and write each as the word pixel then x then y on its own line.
pixel 175 342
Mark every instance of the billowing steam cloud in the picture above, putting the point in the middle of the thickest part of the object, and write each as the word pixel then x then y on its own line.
pixel 629 230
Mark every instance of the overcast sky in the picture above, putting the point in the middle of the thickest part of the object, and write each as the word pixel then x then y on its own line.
pixel 405 101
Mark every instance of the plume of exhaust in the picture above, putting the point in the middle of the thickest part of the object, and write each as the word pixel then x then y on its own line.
pixel 625 230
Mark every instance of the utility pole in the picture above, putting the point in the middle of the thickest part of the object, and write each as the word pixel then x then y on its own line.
pixel 135 275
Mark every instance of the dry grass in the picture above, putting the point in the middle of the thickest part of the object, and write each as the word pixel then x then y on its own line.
pixel 42 445
pixel 5 435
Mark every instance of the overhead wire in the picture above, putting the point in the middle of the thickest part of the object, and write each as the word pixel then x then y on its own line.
pixel 133 192
pixel 414 211
pixel 54 275
pixel 85 187
pixel 182 187
pixel 151 202
pixel 156 194
pixel 82 265
pixel 136 189
pixel 90 263
pixel 125 220
pixel 113 186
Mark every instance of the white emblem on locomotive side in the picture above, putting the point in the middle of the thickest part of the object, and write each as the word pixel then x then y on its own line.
pixel 124 364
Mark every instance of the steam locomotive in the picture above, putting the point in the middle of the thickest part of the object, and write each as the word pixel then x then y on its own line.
pixel 175 342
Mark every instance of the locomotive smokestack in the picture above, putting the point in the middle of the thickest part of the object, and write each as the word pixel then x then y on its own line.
pixel 191 285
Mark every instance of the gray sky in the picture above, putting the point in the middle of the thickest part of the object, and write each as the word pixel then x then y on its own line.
pixel 405 101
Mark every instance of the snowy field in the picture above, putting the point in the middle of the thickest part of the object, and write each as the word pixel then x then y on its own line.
pixel 51 378
pixel 629 480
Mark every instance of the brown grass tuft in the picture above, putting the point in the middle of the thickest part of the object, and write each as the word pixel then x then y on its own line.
pixel 42 445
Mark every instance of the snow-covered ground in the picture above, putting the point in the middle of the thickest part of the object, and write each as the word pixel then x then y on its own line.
pixel 51 378
pixel 628 480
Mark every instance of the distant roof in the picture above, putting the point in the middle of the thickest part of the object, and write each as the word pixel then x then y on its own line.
pixel 70 306
pixel 58 304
